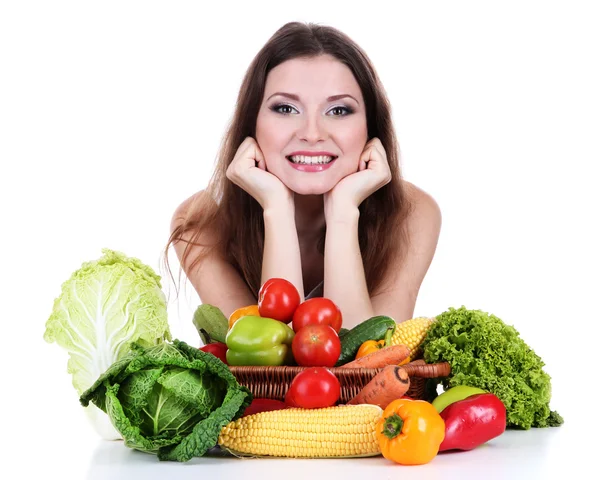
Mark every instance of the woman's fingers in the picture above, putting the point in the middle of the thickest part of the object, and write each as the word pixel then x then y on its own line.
pixel 248 170
pixel 246 157
pixel 259 157
pixel 374 160
pixel 364 160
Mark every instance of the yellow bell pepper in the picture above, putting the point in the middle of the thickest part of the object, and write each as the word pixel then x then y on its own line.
pixel 410 432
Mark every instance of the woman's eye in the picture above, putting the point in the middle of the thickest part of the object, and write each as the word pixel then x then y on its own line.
pixel 277 108
pixel 344 109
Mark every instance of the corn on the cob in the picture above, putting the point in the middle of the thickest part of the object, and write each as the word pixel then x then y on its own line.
pixel 338 431
pixel 412 333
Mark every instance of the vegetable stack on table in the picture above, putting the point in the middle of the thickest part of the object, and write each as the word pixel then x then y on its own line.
pixel 284 378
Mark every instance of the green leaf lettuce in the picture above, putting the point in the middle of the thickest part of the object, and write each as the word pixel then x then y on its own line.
pixel 485 352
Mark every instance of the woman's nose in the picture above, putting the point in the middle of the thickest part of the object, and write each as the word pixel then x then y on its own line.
pixel 312 129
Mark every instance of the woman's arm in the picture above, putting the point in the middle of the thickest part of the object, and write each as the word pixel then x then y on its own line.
pixel 345 282
pixel 344 274
pixel 281 255
pixel 216 282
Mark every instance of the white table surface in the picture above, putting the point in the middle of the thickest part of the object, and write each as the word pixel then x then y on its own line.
pixel 534 453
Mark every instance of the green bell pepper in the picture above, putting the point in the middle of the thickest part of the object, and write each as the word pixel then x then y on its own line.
pixel 455 394
pixel 254 340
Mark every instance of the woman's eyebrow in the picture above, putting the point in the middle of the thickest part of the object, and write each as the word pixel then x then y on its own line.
pixel 297 98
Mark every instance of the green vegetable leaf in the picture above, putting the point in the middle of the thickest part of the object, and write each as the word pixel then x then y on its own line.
pixel 171 400
pixel 105 307
pixel 485 352
pixel 211 324
pixel 206 433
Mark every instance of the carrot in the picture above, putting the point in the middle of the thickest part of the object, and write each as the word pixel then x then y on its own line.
pixel 391 355
pixel 385 387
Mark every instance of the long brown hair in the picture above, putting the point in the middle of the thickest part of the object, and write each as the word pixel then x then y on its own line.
pixel 235 218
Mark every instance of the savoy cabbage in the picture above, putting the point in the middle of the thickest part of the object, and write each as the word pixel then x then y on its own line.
pixel 171 400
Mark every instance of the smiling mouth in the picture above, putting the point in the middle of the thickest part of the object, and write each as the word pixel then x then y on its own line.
pixel 305 160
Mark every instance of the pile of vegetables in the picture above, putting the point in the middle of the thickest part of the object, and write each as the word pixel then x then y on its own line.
pixel 487 353
pixel 496 381
pixel 281 330
pixel 177 401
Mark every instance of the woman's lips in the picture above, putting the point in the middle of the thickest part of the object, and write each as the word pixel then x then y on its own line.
pixel 317 167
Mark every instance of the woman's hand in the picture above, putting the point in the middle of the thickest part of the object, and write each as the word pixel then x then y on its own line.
pixel 248 170
pixel 373 173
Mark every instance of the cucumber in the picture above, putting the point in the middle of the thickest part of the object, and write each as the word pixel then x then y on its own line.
pixel 343 331
pixel 374 328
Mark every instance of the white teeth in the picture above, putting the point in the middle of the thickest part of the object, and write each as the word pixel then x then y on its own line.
pixel 310 160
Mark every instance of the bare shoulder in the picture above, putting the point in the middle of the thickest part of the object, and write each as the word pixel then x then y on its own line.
pixel 426 212
pixel 422 201
pixel 191 205
pixel 424 222
pixel 214 278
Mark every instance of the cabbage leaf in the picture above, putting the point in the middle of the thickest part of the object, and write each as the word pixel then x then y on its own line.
pixel 105 307
pixel 171 400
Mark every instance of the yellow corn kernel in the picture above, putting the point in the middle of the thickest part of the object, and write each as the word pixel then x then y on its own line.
pixel 412 333
pixel 339 431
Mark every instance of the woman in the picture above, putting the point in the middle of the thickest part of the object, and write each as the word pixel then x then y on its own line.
pixel 308 188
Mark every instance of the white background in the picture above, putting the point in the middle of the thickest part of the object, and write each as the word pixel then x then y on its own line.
pixel 111 113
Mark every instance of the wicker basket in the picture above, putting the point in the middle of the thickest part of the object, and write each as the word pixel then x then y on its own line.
pixel 273 382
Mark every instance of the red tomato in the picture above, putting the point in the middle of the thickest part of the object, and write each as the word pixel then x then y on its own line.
pixel 316 346
pixel 218 349
pixel 317 311
pixel 278 299
pixel 314 387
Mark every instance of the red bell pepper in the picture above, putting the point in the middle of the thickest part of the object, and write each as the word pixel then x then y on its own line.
pixel 218 349
pixel 473 421
pixel 264 405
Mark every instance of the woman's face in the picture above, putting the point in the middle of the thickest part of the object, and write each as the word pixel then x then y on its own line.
pixel 311 122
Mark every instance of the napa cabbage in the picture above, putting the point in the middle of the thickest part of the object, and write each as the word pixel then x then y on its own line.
pixel 105 307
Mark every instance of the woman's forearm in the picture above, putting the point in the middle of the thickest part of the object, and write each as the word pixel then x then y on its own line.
pixel 281 256
pixel 344 275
